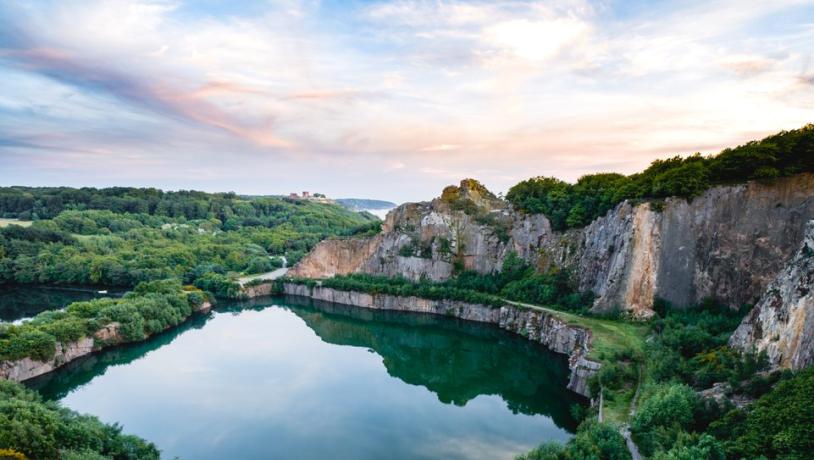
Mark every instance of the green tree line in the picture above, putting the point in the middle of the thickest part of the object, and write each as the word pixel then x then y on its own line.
pixel 102 247
pixel 44 430
pixel 576 205
pixel 150 308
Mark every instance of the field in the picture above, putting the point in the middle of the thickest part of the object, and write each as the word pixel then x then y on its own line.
pixel 7 222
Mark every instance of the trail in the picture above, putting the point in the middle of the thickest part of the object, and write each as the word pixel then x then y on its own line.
pixel 272 275
pixel 625 430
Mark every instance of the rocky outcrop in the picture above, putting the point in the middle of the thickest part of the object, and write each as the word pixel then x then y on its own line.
pixel 257 290
pixel 782 323
pixel 109 335
pixel 467 227
pixel 535 325
pixel 336 257
pixel 728 243
pixel 26 368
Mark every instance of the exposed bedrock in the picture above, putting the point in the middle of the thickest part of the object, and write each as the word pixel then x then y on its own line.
pixel 728 243
pixel 782 323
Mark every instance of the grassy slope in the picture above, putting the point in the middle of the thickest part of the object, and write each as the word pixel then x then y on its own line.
pixel 610 337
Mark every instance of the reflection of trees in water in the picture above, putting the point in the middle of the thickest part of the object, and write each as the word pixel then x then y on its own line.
pixel 77 373
pixel 455 359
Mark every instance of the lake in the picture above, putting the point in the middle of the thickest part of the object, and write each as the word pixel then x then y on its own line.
pixel 278 378
pixel 23 302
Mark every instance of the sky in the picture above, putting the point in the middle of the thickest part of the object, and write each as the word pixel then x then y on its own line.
pixel 387 99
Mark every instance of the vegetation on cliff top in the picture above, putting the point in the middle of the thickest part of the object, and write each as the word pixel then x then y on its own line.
pixel 576 205
pixel 517 280
pixel 46 430
pixel 148 309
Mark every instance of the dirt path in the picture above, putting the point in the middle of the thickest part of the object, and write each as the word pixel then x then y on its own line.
pixel 272 275
pixel 631 445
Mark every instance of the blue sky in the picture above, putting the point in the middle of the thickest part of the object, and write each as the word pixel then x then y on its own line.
pixel 388 99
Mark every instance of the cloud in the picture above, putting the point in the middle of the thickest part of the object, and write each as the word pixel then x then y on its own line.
pixel 290 89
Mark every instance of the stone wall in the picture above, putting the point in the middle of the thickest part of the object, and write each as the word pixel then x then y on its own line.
pixel 535 325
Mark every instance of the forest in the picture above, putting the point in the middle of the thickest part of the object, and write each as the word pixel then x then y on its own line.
pixel 79 237
pixel 576 205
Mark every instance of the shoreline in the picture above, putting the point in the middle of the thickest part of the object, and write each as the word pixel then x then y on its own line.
pixel 538 326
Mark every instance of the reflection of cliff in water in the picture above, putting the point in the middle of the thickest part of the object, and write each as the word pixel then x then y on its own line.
pixel 455 359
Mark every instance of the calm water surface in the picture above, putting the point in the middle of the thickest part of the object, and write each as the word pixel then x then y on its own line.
pixel 23 302
pixel 290 379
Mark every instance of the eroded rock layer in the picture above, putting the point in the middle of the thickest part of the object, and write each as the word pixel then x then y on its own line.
pixel 782 323
pixel 728 243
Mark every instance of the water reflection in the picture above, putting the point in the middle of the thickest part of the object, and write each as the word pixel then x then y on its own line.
pixel 455 359
pixel 315 380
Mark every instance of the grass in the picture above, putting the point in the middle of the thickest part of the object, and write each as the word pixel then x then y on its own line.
pixel 610 338
pixel 6 222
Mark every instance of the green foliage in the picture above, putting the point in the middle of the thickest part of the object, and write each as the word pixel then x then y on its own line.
pixel 220 285
pixel 575 205
pixel 666 413
pixel 409 249
pixel 96 238
pixel 45 430
pixel 403 287
pixel 694 447
pixel 593 441
pixel 148 309
pixel 779 425
pixel 516 281
pixel 690 346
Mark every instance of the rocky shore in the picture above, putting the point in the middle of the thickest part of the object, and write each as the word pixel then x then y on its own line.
pixel 107 336
pixel 534 325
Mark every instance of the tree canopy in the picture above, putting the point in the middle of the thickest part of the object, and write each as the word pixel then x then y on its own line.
pixel 575 205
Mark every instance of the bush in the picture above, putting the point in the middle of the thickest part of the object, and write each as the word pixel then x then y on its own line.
pixel 46 431
pixel 593 440
pixel 663 416
pixel 781 423
pixel 151 307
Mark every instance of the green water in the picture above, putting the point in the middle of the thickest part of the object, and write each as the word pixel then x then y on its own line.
pixel 289 379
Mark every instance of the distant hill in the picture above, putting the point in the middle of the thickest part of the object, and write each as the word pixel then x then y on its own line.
pixel 358 204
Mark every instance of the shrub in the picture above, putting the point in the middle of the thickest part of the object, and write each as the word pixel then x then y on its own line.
pixel 46 431
pixel 662 416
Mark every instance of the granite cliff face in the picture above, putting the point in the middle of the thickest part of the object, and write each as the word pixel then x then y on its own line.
pixel 782 323
pixel 728 243
pixel 537 326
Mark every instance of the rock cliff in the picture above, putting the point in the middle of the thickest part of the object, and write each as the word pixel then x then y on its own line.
pixel 782 323
pixel 728 243
pixel 538 326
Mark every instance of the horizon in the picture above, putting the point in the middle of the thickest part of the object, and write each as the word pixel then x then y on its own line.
pixel 389 100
